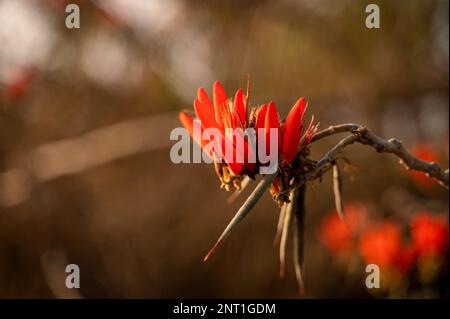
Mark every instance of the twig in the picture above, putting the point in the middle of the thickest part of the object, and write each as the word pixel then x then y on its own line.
pixel 292 214
pixel 365 136
pixel 335 129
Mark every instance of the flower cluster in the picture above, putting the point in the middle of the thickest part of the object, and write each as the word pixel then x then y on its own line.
pixel 231 118
pixel 423 248
pixel 429 233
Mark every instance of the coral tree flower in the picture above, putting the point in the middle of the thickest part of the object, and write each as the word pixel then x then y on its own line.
pixel 336 235
pixel 380 244
pixel 226 115
pixel 293 138
pixel 430 237
pixel 383 245
pixel 429 233
pixel 221 114
pixel 292 135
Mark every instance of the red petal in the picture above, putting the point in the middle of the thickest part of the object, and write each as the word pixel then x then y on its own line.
pixel 272 121
pixel 219 97
pixel 237 159
pixel 236 121
pixel 239 106
pixel 203 97
pixel 234 160
pixel 261 117
pixel 292 130
pixel 188 123
pixel 245 154
pixel 204 114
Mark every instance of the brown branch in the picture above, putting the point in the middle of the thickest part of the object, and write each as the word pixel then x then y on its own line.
pixel 359 134
pixel 335 129
pixel 365 136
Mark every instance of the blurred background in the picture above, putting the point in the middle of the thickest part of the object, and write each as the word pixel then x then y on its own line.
pixel 85 173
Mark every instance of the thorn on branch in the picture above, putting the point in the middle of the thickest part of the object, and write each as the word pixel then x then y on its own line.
pixel 244 210
pixel 365 136
pixel 337 188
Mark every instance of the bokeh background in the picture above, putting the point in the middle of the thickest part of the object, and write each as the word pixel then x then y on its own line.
pixel 85 117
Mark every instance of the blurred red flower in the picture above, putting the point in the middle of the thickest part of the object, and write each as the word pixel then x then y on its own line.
pixel 381 245
pixel 430 233
pixel 336 235
pixel 428 154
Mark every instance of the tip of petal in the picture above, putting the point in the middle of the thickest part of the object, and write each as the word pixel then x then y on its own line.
pixel 302 104
pixel 200 93
pixel 219 98
pixel 301 100
pixel 271 105
pixel 238 94
pixel 292 130
pixel 239 106
pixel 185 119
pixel 219 91
pixel 272 119
pixel 260 118
pixel 218 88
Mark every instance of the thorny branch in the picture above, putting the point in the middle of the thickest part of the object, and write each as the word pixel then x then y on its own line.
pixel 292 212
pixel 365 136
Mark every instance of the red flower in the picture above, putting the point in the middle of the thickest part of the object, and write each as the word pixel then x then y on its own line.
pixel 381 245
pixel 336 235
pixel 224 114
pixel 293 129
pixel 430 233
pixel 292 136
pixel 428 154
pixel 188 123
